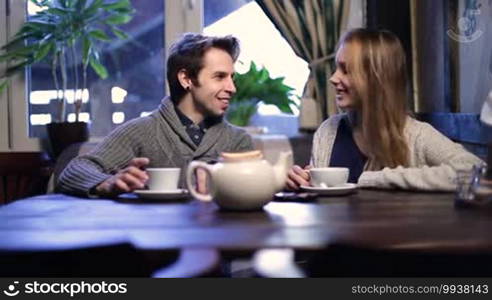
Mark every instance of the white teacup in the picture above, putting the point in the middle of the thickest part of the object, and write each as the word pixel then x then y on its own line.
pixel 162 179
pixel 328 177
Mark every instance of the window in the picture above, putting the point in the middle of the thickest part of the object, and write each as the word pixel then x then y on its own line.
pixel 136 81
pixel 262 43
pixel 135 86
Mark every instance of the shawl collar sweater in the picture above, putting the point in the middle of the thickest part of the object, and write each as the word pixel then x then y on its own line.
pixel 161 137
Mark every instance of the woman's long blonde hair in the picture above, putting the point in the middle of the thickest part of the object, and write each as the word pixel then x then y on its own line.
pixel 376 67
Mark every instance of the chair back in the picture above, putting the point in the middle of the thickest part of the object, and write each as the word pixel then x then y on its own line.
pixel 23 174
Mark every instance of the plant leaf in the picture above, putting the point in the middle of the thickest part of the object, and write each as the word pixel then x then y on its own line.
pixel 92 9
pixel 240 113
pixel 17 40
pixel 86 48
pixel 58 11
pixel 255 86
pixel 100 35
pixel 20 52
pixel 126 11
pixel 80 5
pixel 40 3
pixel 119 33
pixel 41 24
pixel 43 51
pixel 117 4
pixel 98 67
pixel 118 19
pixel 18 67
pixel 3 85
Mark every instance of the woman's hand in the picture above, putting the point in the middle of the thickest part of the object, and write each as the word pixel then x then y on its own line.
pixel 298 176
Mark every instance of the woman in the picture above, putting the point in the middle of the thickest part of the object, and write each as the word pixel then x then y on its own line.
pixel 376 138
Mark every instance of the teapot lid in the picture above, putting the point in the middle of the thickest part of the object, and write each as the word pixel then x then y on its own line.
pixel 241 156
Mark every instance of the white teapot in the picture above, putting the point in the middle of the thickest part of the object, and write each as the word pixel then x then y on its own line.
pixel 241 181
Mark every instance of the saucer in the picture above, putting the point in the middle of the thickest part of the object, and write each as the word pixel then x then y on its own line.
pixel 331 191
pixel 162 195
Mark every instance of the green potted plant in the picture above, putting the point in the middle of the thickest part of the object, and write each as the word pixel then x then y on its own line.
pixel 257 86
pixel 68 35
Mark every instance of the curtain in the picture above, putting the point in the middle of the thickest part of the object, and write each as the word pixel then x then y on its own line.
pixel 312 28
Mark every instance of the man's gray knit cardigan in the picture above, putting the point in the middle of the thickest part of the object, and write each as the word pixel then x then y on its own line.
pixel 160 137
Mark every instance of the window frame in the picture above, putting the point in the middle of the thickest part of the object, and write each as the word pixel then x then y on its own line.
pixel 180 16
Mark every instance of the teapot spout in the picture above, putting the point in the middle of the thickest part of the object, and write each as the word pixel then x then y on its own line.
pixel 284 163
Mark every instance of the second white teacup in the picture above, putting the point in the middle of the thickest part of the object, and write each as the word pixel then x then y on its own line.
pixel 328 177
pixel 162 179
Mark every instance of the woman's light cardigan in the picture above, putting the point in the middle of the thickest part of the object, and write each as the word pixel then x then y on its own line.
pixel 434 158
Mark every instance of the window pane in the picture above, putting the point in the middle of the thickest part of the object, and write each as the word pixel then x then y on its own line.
pixel 263 44
pixel 260 41
pixel 135 85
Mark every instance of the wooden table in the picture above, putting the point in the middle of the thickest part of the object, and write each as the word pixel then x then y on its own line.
pixel 378 219
pixel 369 219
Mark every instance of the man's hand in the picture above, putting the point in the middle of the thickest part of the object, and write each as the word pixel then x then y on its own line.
pixel 298 176
pixel 126 180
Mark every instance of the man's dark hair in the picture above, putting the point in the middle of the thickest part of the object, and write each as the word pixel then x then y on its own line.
pixel 187 53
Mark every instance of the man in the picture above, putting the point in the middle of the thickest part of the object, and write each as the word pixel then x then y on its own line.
pixel 186 126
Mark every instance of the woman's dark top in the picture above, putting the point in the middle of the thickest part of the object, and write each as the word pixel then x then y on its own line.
pixel 345 152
